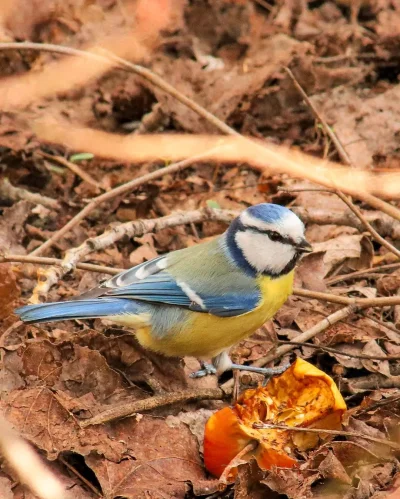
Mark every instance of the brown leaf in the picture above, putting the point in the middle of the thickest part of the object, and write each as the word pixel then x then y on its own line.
pixel 6 491
pixel 369 125
pixel 352 252
pixel 292 482
pixel 11 227
pixel 38 415
pixel 376 366
pixel 311 272
pixel 88 372
pixel 359 426
pixel 160 460
pixel 249 482
pixel 9 290
pixel 145 252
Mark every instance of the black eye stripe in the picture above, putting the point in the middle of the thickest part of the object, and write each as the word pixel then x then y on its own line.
pixel 274 236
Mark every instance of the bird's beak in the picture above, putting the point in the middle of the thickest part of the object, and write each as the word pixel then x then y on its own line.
pixel 304 246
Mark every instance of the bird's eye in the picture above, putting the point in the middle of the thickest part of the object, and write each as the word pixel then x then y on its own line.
pixel 274 236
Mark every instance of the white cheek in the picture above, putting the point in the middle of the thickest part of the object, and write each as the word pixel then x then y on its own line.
pixel 262 253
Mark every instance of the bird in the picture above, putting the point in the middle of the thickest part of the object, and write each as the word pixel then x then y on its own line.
pixel 201 300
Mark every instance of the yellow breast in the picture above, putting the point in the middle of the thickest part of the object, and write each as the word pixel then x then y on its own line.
pixel 206 335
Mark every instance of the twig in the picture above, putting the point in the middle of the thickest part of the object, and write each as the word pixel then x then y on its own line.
pixel 370 382
pixel 367 225
pixel 307 335
pixel 339 352
pixel 122 189
pixel 41 260
pixel 328 130
pixel 158 81
pixel 340 433
pixel 344 300
pixel 145 73
pixel 80 476
pixel 131 408
pixel 236 461
pixel 74 168
pixel 137 228
pixel 325 323
pixel 264 4
pixel 28 466
pixel 346 159
pixel 11 193
pixel 263 157
pixel 387 325
pixel 378 404
pixel 361 273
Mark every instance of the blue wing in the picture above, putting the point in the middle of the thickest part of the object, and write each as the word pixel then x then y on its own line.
pixel 151 282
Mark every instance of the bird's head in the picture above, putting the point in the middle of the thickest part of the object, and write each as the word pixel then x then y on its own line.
pixel 266 239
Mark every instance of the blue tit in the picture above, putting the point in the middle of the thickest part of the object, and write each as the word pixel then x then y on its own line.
pixel 201 300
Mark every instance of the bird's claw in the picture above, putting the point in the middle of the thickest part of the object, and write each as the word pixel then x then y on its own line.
pixel 268 372
pixel 206 370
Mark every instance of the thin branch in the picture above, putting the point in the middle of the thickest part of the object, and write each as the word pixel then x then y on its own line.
pixel 264 4
pixel 361 273
pixel 307 335
pixel 74 168
pixel 321 326
pixel 378 404
pixel 367 225
pixel 145 73
pixel 42 260
pixel 339 352
pixel 340 433
pixel 27 464
pixel 259 155
pixel 344 300
pixel 328 130
pixel 117 191
pixel 80 476
pixel 159 82
pixel 131 408
pixel 11 193
pixel 370 382
pixel 346 159
pixel 137 228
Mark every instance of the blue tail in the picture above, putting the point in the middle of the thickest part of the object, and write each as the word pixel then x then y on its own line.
pixel 79 309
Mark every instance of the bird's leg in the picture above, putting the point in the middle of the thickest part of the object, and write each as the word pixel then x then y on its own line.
pixel 220 364
pixel 206 369
pixel 223 362
pixel 266 371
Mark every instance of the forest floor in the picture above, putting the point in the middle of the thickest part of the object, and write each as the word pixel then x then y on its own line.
pixel 228 56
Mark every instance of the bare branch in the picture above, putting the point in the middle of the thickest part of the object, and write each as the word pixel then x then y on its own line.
pixel 131 408
pixel 10 193
pixel 28 466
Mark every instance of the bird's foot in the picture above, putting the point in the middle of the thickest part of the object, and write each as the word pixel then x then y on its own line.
pixel 268 372
pixel 206 370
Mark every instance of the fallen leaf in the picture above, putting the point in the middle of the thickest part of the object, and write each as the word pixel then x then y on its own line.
pixel 160 460
pixel 9 290
pixel 377 366
pixel 352 252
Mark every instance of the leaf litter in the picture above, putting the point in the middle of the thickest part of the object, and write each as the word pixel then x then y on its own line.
pixel 228 55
